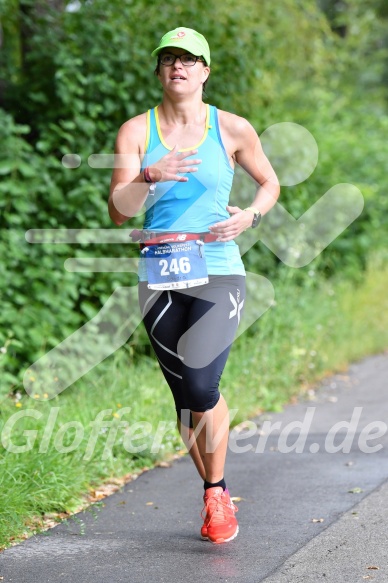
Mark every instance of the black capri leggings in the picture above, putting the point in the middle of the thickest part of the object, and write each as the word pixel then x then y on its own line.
pixel 191 331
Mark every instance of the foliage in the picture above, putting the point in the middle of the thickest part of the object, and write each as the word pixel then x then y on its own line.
pixel 301 338
pixel 73 72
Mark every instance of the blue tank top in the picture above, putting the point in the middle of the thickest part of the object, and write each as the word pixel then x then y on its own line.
pixel 191 207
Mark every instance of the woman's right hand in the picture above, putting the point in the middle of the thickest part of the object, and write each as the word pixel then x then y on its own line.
pixel 172 165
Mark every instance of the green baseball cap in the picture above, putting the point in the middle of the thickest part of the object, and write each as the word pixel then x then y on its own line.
pixel 185 38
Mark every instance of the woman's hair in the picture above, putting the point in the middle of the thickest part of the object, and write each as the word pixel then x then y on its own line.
pixel 157 71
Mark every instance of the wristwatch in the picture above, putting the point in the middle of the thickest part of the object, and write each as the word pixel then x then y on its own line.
pixel 256 215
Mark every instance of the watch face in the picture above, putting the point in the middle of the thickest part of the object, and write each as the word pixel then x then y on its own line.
pixel 256 220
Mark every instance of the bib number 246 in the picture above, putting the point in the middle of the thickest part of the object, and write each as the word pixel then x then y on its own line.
pixel 175 265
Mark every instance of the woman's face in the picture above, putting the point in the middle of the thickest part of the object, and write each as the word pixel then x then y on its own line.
pixel 180 78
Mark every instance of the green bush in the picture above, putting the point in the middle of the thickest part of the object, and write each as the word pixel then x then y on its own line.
pixel 71 78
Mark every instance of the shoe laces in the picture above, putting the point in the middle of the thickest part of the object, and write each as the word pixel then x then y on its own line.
pixel 218 509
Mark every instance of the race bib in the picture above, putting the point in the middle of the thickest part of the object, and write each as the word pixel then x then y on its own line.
pixel 176 265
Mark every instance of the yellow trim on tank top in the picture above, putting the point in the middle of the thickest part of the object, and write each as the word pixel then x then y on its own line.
pixel 148 131
pixel 207 126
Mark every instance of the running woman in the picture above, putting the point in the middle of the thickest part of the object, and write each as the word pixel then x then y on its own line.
pixel 179 160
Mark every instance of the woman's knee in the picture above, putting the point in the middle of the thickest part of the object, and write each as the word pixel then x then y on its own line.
pixel 201 397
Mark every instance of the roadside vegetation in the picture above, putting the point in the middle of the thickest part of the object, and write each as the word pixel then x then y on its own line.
pixel 71 74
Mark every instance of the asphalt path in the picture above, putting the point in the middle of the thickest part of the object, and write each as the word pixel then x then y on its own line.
pixel 316 514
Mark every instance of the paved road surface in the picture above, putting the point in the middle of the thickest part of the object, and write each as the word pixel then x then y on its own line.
pixel 284 497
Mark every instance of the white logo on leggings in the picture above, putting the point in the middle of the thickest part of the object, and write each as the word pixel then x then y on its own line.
pixel 237 306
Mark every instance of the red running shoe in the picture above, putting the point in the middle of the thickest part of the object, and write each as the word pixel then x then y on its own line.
pixel 220 524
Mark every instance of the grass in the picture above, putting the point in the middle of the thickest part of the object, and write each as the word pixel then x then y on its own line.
pixel 306 334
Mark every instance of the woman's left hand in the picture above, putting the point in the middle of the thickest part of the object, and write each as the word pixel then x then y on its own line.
pixel 228 230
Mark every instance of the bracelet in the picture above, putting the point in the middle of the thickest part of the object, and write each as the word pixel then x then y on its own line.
pixel 253 209
pixel 147 177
